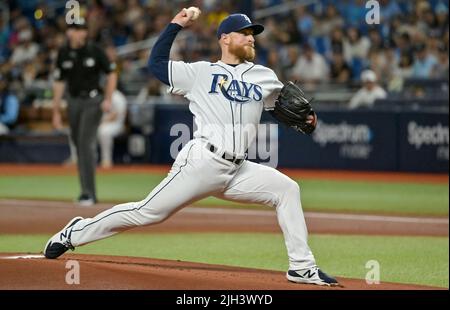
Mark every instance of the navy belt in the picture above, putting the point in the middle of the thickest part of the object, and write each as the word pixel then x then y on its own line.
pixel 86 93
pixel 231 159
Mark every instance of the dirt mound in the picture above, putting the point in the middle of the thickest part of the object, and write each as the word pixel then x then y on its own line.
pixel 24 271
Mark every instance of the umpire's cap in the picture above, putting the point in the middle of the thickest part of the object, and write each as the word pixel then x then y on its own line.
pixel 81 23
pixel 238 22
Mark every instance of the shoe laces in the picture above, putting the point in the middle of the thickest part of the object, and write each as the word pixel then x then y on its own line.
pixel 314 268
pixel 68 245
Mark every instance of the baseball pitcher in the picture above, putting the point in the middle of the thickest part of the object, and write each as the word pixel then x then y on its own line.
pixel 226 98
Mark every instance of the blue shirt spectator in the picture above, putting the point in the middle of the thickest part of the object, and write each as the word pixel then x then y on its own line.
pixel 389 9
pixel 424 63
pixel 305 22
pixel 4 36
pixel 354 12
pixel 9 107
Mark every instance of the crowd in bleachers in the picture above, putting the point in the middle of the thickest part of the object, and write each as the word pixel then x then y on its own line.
pixel 321 43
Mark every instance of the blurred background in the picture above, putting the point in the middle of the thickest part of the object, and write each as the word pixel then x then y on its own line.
pixel 380 90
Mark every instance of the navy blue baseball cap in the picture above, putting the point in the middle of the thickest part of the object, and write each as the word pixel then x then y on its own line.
pixel 238 22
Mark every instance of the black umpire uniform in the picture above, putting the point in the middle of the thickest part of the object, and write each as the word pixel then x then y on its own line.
pixel 81 69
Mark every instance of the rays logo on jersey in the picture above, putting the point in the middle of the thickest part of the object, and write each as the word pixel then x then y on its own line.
pixel 237 91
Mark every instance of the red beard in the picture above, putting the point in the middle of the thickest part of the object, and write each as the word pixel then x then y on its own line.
pixel 243 52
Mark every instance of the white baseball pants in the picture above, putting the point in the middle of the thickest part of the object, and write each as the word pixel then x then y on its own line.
pixel 196 174
pixel 105 135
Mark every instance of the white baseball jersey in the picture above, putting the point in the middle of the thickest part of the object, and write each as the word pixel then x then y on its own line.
pixel 227 101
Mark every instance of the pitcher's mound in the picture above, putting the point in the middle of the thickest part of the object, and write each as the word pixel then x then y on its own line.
pixel 32 271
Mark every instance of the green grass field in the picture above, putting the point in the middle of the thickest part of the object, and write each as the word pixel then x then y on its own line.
pixel 417 260
pixel 352 196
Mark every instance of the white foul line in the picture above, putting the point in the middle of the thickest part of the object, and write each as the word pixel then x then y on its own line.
pixel 320 215
pixel 311 215
pixel 377 218
pixel 22 257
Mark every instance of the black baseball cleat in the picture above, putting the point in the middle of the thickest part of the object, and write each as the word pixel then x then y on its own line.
pixel 86 201
pixel 60 242
pixel 311 275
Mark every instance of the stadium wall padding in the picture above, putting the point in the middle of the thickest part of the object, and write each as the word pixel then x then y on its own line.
pixel 387 139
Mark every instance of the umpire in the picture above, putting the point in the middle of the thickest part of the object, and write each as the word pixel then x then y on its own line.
pixel 80 64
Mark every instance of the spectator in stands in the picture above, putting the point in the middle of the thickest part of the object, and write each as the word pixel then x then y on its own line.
pixel 390 62
pixel 273 61
pixel 401 72
pixel 441 12
pixel 445 39
pixel 427 20
pixel 405 69
pixel 111 126
pixel 330 21
pixel 288 58
pixel 376 41
pixel 26 50
pixel 134 12
pixel 139 31
pixel 353 11
pixel 355 46
pixel 371 91
pixel 285 33
pixel 291 32
pixel 440 70
pixel 9 106
pixel 403 43
pixel 305 22
pixel 433 42
pixel 383 62
pixel 389 9
pixel 4 35
pixel 340 71
pixel 274 35
pixel 336 41
pixel 423 63
pixel 152 89
pixel 420 9
pixel 311 68
pixel 97 20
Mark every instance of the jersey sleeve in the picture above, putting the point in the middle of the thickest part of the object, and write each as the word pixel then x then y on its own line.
pixel 273 90
pixel 58 72
pixel 105 65
pixel 182 76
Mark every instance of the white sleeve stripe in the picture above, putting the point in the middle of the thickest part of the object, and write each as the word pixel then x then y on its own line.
pixel 170 78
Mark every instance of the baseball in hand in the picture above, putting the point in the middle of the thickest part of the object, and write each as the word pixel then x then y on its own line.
pixel 195 12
